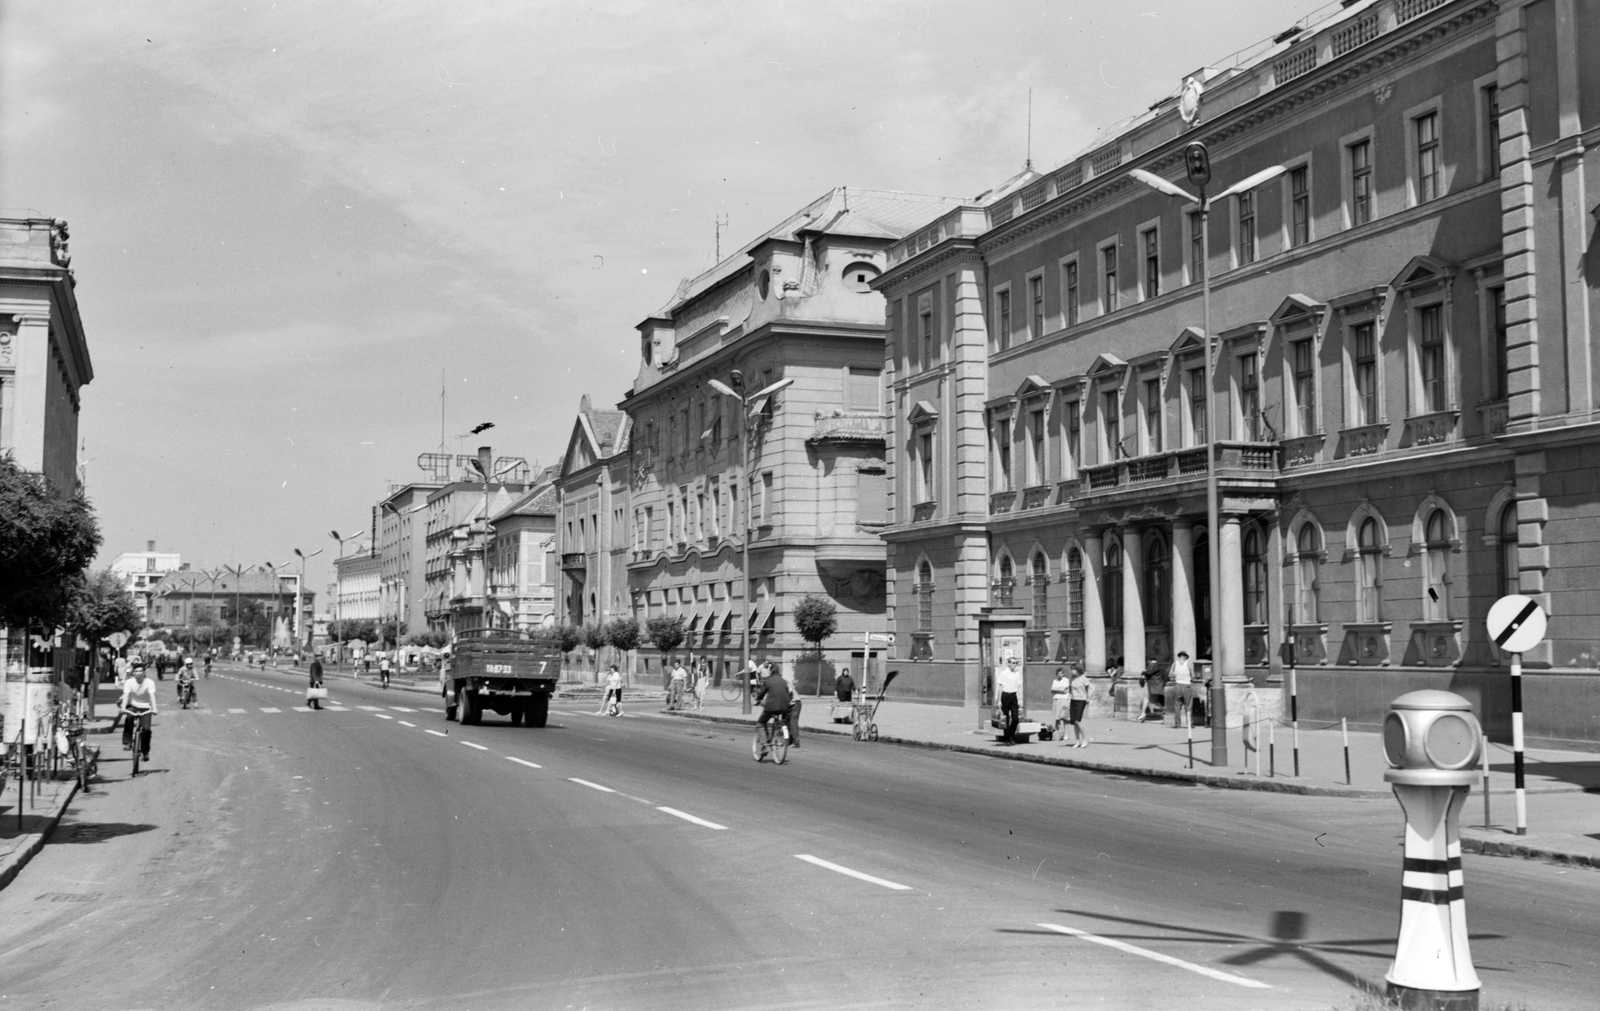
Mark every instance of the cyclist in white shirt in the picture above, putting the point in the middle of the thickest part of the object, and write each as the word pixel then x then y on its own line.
pixel 139 702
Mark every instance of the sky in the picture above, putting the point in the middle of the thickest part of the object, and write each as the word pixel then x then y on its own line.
pixel 295 224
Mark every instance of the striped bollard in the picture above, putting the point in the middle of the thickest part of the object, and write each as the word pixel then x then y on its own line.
pixel 1431 741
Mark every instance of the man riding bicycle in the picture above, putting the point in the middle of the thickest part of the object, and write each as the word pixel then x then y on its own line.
pixel 383 671
pixel 773 694
pixel 208 665
pixel 186 679
pixel 139 702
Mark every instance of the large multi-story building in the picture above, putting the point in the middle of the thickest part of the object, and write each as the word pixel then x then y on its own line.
pixel 402 548
pixel 138 570
pixel 591 525
pixel 796 303
pixel 357 581
pixel 1404 392
pixel 522 565
pixel 456 536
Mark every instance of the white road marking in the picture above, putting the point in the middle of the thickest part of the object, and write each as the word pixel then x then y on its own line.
pixel 238 710
pixel 689 817
pixel 1226 977
pixel 269 709
pixel 402 709
pixel 303 709
pixel 471 745
pixel 592 786
pixel 383 717
pixel 436 733
pixel 403 723
pixel 337 709
pixel 371 709
pixel 521 762
pixel 808 858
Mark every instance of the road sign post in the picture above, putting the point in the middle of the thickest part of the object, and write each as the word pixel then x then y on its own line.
pixel 1516 624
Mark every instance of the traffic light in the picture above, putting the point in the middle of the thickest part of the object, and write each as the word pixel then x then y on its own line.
pixel 1198 163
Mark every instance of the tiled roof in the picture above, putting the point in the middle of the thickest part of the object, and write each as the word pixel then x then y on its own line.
pixel 540 501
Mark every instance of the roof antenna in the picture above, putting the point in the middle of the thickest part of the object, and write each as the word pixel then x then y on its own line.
pixel 1027 162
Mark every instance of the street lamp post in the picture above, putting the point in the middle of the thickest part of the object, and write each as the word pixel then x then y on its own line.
pixel 338 602
pixel 736 379
pixel 488 531
pixel 237 571
pixel 299 589
pixel 1198 162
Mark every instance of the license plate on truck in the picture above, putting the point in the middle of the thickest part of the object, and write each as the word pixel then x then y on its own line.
pixel 497 668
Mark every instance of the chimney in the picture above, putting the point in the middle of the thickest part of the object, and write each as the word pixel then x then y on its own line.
pixel 150 546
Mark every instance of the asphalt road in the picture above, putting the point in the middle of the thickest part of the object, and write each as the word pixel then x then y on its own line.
pixel 375 857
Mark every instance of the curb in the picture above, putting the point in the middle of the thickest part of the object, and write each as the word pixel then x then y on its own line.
pixel 1279 785
pixel 20 857
pixel 1492 848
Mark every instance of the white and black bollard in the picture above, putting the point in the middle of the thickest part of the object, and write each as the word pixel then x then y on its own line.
pixel 1431 741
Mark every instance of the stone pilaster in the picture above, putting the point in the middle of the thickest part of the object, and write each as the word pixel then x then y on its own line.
pixel 1517 221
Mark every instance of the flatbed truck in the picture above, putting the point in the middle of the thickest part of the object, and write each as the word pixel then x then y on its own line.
pixel 500 672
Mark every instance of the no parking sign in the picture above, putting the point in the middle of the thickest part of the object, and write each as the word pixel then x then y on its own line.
pixel 1516 624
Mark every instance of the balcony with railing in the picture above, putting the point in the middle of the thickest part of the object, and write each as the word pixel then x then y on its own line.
pixel 1237 463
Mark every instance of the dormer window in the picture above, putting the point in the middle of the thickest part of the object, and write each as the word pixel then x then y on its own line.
pixel 858 276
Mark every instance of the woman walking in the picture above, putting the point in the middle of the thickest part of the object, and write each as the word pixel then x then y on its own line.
pixel 1077 701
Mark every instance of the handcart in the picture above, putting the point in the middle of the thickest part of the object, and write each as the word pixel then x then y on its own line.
pixel 865 711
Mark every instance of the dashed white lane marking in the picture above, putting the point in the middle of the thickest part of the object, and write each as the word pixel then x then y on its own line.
pixel 522 762
pixel 381 716
pixel 471 745
pixel 592 786
pixel 238 710
pixel 691 818
pixel 269 709
pixel 403 723
pixel 436 733
pixel 836 868
pixel 1226 977
pixel 371 709
pixel 402 709
pixel 338 709
pixel 302 709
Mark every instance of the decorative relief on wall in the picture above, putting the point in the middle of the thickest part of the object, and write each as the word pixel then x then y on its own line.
pixel 863 587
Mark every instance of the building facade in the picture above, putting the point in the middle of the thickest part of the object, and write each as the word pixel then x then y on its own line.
pixel 591 529
pixel 805 467
pixel 523 566
pixel 357 585
pixel 402 550
pixel 139 570
pixel 456 540
pixel 200 599
pixel 1403 393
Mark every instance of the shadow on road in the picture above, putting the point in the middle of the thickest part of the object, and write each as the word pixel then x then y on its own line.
pixel 93 832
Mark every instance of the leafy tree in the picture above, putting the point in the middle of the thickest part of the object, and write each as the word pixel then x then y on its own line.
pixel 568 637
pixel 391 632
pixel 47 540
pixel 364 629
pixel 815 618
pixel 594 636
pixel 624 634
pixel 666 632
pixel 101 607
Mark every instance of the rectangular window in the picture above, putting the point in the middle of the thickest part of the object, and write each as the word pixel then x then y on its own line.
pixel 1365 362
pixel 1197 406
pixel 924 609
pixel 716 508
pixel 1430 351
pixel 1036 306
pixel 1072 446
pixel 1037 446
pixel 1002 319
pixel 925 465
pixel 1247 227
pixel 1361 182
pixel 1152 415
pixel 861 390
pixel 1002 454
pixel 1299 205
pixel 1151 241
pixel 1250 397
pixel 1108 278
pixel 733 505
pixel 1305 385
pixel 1070 282
pixel 1428 165
pixel 1500 387
pixel 1111 425
pixel 768 506
pixel 700 516
pixel 925 321
pixel 1491 128
pixel 1197 248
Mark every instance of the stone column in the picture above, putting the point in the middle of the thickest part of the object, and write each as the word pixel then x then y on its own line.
pixel 1230 657
pixel 1183 637
pixel 1132 599
pixel 1094 618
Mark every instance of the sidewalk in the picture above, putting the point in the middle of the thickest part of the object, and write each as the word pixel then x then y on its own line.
pixel 40 813
pixel 1563 786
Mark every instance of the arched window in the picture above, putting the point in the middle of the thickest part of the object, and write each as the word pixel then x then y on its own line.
pixel 925 597
pixel 1308 551
pixel 1157 599
pixel 1510 567
pixel 1369 587
pixel 1041 591
pixel 1074 588
pixel 1008 580
pixel 1254 566
pixel 1436 597
pixel 1111 585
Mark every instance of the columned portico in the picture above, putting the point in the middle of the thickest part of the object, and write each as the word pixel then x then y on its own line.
pixel 1132 598
pixel 1094 619
pixel 1183 639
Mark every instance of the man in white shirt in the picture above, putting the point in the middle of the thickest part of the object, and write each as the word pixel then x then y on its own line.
pixel 1180 689
pixel 678 685
pixel 139 702
pixel 1008 682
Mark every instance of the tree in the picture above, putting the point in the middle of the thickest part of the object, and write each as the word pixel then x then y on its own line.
pixel 665 632
pixel 568 637
pixel 594 636
pixel 101 607
pixel 815 618
pixel 47 540
pixel 624 634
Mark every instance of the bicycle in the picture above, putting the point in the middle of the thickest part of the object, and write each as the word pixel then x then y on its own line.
pixel 772 739
pixel 142 743
pixel 731 691
pixel 383 677
pixel 85 760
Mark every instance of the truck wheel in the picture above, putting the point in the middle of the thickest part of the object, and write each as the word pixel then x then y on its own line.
pixel 471 712
pixel 516 714
pixel 449 706
pixel 538 710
